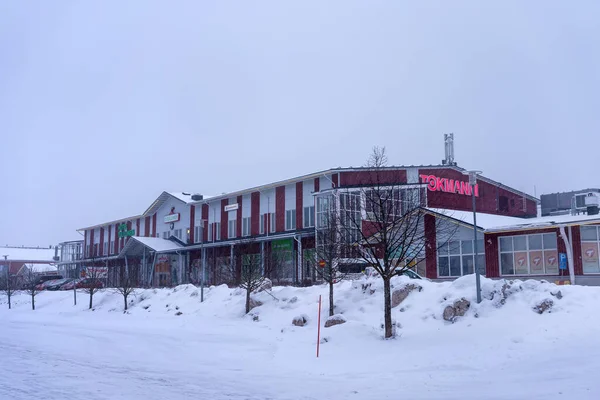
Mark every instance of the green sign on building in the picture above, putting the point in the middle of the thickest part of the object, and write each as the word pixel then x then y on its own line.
pixel 282 245
pixel 124 232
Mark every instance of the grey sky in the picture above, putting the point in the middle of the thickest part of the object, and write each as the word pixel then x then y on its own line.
pixel 105 104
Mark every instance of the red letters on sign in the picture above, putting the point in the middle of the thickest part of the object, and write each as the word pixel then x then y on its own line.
pixel 437 184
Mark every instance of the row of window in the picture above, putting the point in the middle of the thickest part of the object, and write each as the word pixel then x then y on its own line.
pixel 266 220
pixel 457 258
pixel 529 254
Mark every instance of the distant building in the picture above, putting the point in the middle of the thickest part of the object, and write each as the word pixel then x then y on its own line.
pixel 573 202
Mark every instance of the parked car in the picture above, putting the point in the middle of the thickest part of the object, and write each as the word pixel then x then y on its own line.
pixel 370 271
pixel 56 285
pixel 45 278
pixel 44 285
pixel 85 283
pixel 70 285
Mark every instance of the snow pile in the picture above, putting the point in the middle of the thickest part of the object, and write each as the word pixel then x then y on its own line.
pixel 526 339
pixel 416 303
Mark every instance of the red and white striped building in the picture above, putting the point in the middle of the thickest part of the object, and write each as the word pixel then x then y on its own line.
pixel 181 234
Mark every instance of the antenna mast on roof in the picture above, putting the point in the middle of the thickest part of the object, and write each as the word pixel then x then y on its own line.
pixel 449 149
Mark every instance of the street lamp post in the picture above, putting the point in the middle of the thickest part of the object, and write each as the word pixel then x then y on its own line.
pixel 7 266
pixel 473 183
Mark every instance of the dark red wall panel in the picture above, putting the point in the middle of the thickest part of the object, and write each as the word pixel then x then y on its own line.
pixel 255 213
pixel 299 205
pixel 383 177
pixel 224 220
pixel 446 185
pixel 192 222
pixel 239 217
pixel 205 222
pixel 154 225
pixel 280 209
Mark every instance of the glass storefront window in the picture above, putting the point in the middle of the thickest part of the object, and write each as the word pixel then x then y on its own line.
pixel 529 254
pixel 456 258
pixel 590 245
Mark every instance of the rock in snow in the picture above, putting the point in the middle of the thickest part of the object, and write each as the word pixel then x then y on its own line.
pixel 544 306
pixel 265 285
pixel 254 303
pixel 300 320
pixel 337 319
pixel 399 295
pixel 458 309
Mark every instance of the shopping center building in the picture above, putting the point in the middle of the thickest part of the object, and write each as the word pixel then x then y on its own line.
pixel 182 234
pixel 189 237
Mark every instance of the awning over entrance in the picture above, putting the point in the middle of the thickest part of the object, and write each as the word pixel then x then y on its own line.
pixel 136 245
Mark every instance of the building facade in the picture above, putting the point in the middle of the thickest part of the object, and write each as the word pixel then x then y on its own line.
pixel 185 237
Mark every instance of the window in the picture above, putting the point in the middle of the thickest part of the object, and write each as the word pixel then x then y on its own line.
pixel 272 222
pixel 217 231
pixel 165 235
pixel 457 258
pixel 231 225
pixel 391 203
pixel 95 253
pixel 529 254
pixel 262 224
pixel 105 248
pixel 246 226
pixel 323 209
pixel 177 233
pixel 198 233
pixel 112 247
pixel 589 249
pixel 211 228
pixel 290 220
pixel 309 217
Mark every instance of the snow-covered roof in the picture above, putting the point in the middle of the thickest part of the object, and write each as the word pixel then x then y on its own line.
pixel 28 254
pixel 41 267
pixel 116 221
pixel 547 222
pixel 136 244
pixel 501 223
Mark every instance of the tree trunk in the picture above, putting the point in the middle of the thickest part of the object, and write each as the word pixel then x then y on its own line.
pixel 33 301
pixel 91 295
pixel 125 298
pixel 331 311
pixel 247 300
pixel 9 305
pixel 387 310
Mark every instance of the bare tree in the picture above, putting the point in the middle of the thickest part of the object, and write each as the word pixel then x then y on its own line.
pixel 250 274
pixel 30 283
pixel 128 281
pixel 93 281
pixel 388 231
pixel 330 256
pixel 8 285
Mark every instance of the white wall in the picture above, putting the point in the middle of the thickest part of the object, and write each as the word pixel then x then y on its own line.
pixel 307 197
pixel 184 218
pixel 325 182
pixel 246 206
pixel 267 201
pixel 290 197
pixel 214 211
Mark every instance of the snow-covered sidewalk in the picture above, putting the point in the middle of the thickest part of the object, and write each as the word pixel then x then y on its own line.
pixel 212 351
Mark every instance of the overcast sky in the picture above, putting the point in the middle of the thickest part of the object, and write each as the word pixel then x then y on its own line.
pixel 105 104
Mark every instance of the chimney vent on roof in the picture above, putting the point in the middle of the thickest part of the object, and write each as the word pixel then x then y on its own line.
pixel 448 149
pixel 197 197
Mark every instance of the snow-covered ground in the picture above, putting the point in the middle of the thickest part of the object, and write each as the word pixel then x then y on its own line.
pixel 212 351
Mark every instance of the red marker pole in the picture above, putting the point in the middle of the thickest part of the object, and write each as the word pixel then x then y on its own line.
pixel 319 328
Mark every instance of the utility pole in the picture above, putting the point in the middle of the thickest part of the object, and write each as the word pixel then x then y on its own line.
pixel 7 266
pixel 473 183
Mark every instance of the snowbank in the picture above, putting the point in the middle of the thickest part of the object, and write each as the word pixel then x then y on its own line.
pixel 502 348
